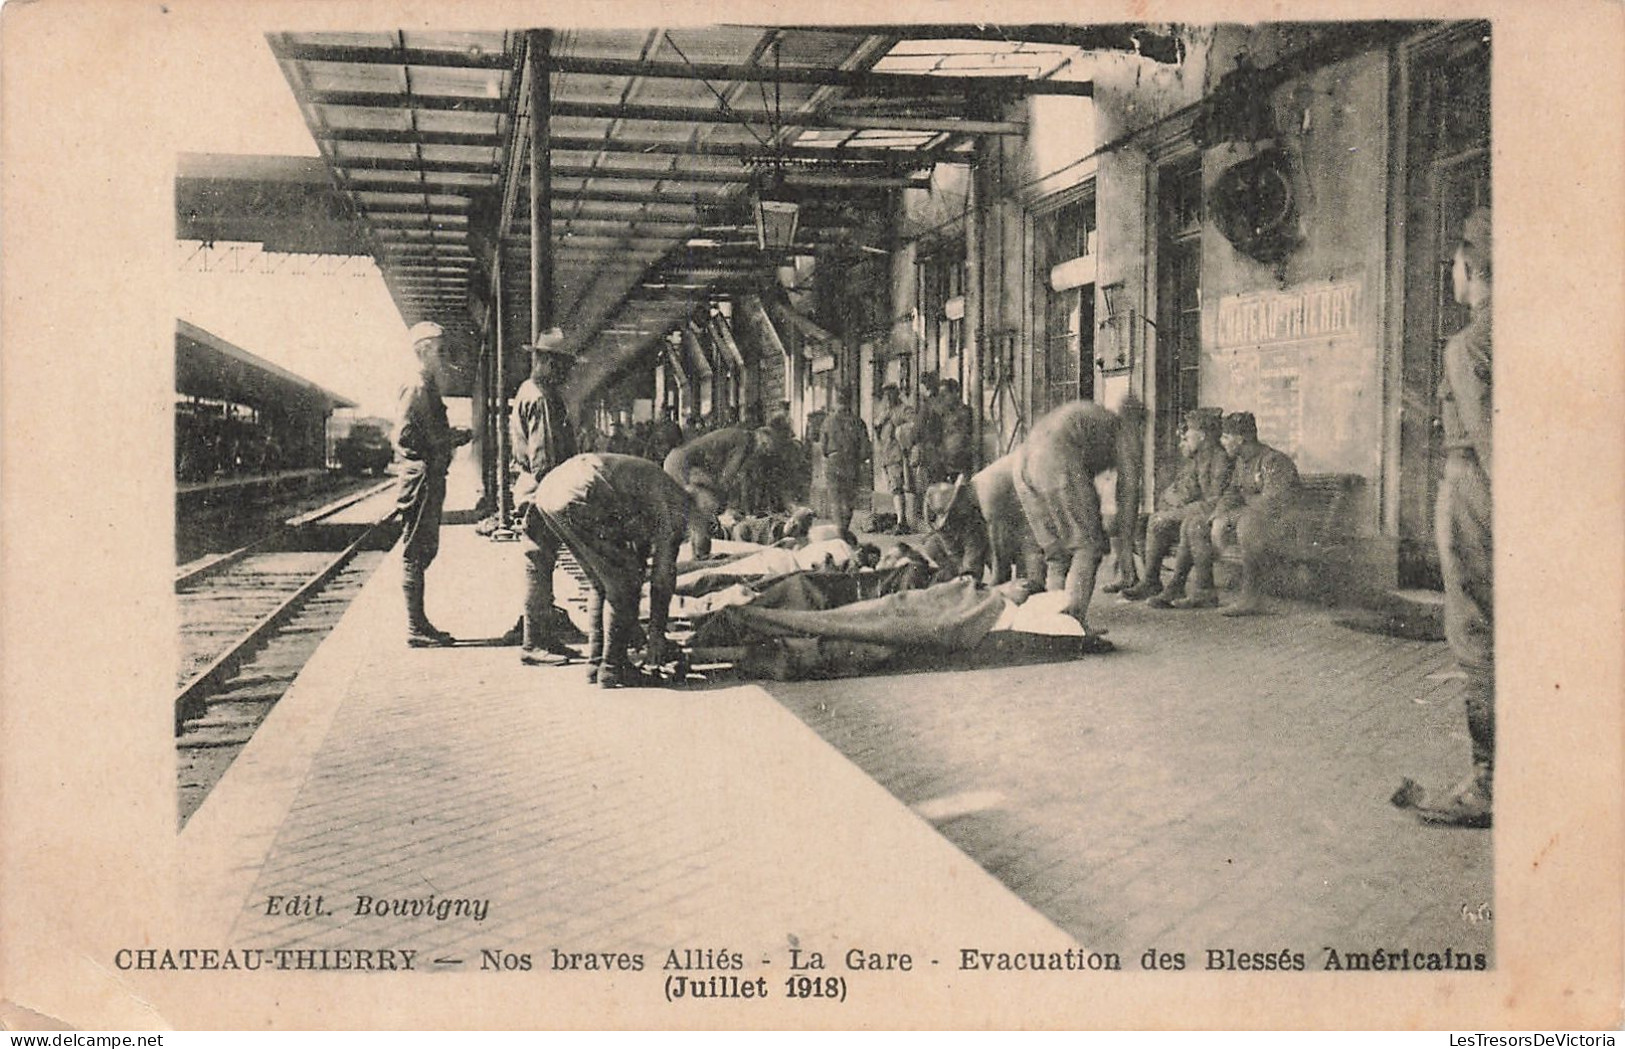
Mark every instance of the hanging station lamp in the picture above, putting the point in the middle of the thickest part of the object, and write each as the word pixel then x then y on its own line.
pixel 776 209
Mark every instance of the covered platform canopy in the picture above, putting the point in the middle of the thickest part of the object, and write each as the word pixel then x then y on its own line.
pixel 209 366
pixel 653 145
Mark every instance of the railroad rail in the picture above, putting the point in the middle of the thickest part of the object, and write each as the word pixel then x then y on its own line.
pixel 191 574
pixel 251 619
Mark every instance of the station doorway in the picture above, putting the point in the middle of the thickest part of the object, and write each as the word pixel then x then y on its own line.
pixel 1447 175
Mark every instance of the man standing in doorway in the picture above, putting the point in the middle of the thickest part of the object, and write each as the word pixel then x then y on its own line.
pixel 845 446
pixel 540 437
pixel 1463 524
pixel 958 422
pixel 894 436
pixel 426 441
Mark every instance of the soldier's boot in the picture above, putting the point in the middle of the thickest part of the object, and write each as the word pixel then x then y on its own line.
pixel 615 669
pixel 1201 592
pixel 1197 598
pixel 1250 602
pixel 1469 804
pixel 1150 586
pixel 420 633
pixel 1174 590
pixel 541 647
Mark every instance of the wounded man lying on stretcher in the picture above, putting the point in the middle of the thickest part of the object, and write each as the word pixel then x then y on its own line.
pixel 836 624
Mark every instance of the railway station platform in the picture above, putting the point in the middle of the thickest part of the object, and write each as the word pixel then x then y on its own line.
pixel 1214 785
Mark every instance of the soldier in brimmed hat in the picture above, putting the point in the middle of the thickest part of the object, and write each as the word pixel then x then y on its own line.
pixel 540 436
pixel 426 441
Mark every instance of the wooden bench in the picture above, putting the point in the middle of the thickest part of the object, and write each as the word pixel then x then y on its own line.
pixel 1311 549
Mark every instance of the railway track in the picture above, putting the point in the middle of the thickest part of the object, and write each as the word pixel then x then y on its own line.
pixel 250 620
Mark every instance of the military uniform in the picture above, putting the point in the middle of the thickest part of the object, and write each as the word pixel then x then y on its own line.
pixel 711 463
pixel 845 446
pixel 618 514
pixel 540 437
pixel 895 434
pixel 1259 499
pixel 1462 521
pixel 1189 501
pixel 426 441
pixel 1053 474
pixel 925 457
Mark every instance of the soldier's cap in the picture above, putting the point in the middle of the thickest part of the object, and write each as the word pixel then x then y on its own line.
pixel 1476 238
pixel 423 330
pixel 1241 423
pixel 1209 420
pixel 551 342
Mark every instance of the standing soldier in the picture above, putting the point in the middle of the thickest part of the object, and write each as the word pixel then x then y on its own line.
pixel 927 451
pixel 665 436
pixel 894 434
pixel 957 423
pixel 426 441
pixel 539 438
pixel 845 445
pixel 1463 524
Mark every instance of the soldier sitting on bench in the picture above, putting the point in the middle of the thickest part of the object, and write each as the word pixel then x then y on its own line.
pixel 1257 504
pixel 1194 495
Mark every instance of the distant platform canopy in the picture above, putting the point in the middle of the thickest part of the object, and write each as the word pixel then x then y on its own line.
pixel 209 366
pixel 285 203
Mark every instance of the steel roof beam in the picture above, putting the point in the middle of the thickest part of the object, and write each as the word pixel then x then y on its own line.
pixel 898 158
pixel 398 56
pixel 449 167
pixel 394 100
pixel 857 122
pixel 862 80
pixel 880 179
pixel 1139 39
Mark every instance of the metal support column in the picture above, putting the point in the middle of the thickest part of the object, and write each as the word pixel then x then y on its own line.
pixel 499 385
pixel 976 347
pixel 538 44
pixel 479 397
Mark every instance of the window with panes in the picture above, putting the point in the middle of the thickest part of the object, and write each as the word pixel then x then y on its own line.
pixel 1179 299
pixel 1069 315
